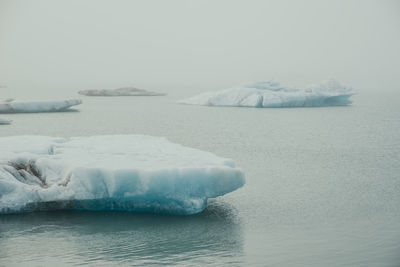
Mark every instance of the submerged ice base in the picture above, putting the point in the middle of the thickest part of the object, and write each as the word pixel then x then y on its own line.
pixel 37 106
pixel 271 94
pixel 120 172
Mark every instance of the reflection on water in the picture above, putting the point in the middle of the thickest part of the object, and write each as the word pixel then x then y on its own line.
pixel 68 237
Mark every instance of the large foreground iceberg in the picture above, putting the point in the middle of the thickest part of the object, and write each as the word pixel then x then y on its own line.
pixel 37 106
pixel 271 94
pixel 120 172
pixel 124 91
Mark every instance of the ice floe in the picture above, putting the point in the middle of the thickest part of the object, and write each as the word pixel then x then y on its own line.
pixel 9 106
pixel 5 121
pixel 270 94
pixel 124 91
pixel 118 172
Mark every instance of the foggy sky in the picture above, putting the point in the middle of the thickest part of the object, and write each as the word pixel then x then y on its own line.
pixel 204 44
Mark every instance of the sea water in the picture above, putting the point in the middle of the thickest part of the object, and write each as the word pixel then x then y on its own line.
pixel 323 187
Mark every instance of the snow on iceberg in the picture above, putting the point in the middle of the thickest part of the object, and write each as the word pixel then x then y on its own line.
pixel 270 94
pixel 37 106
pixel 125 91
pixel 118 172
pixel 5 121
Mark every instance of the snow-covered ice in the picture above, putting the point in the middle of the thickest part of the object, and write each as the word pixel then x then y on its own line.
pixel 5 121
pixel 270 94
pixel 116 172
pixel 124 91
pixel 37 106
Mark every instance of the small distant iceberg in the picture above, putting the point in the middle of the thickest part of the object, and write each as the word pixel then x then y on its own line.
pixel 124 91
pixel 4 121
pixel 116 172
pixel 270 94
pixel 9 106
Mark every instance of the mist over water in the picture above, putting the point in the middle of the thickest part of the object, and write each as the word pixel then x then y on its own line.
pixel 322 183
pixel 197 44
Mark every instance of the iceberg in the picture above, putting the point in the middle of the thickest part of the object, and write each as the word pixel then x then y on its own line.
pixel 116 172
pixel 124 91
pixel 5 121
pixel 270 94
pixel 38 106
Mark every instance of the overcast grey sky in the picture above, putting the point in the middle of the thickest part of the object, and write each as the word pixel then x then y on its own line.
pixel 210 44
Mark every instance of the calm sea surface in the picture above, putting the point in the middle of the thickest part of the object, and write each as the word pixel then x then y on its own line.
pixel 323 187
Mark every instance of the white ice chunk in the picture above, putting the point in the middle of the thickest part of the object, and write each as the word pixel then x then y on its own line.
pixel 125 91
pixel 119 172
pixel 5 121
pixel 269 94
pixel 37 106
